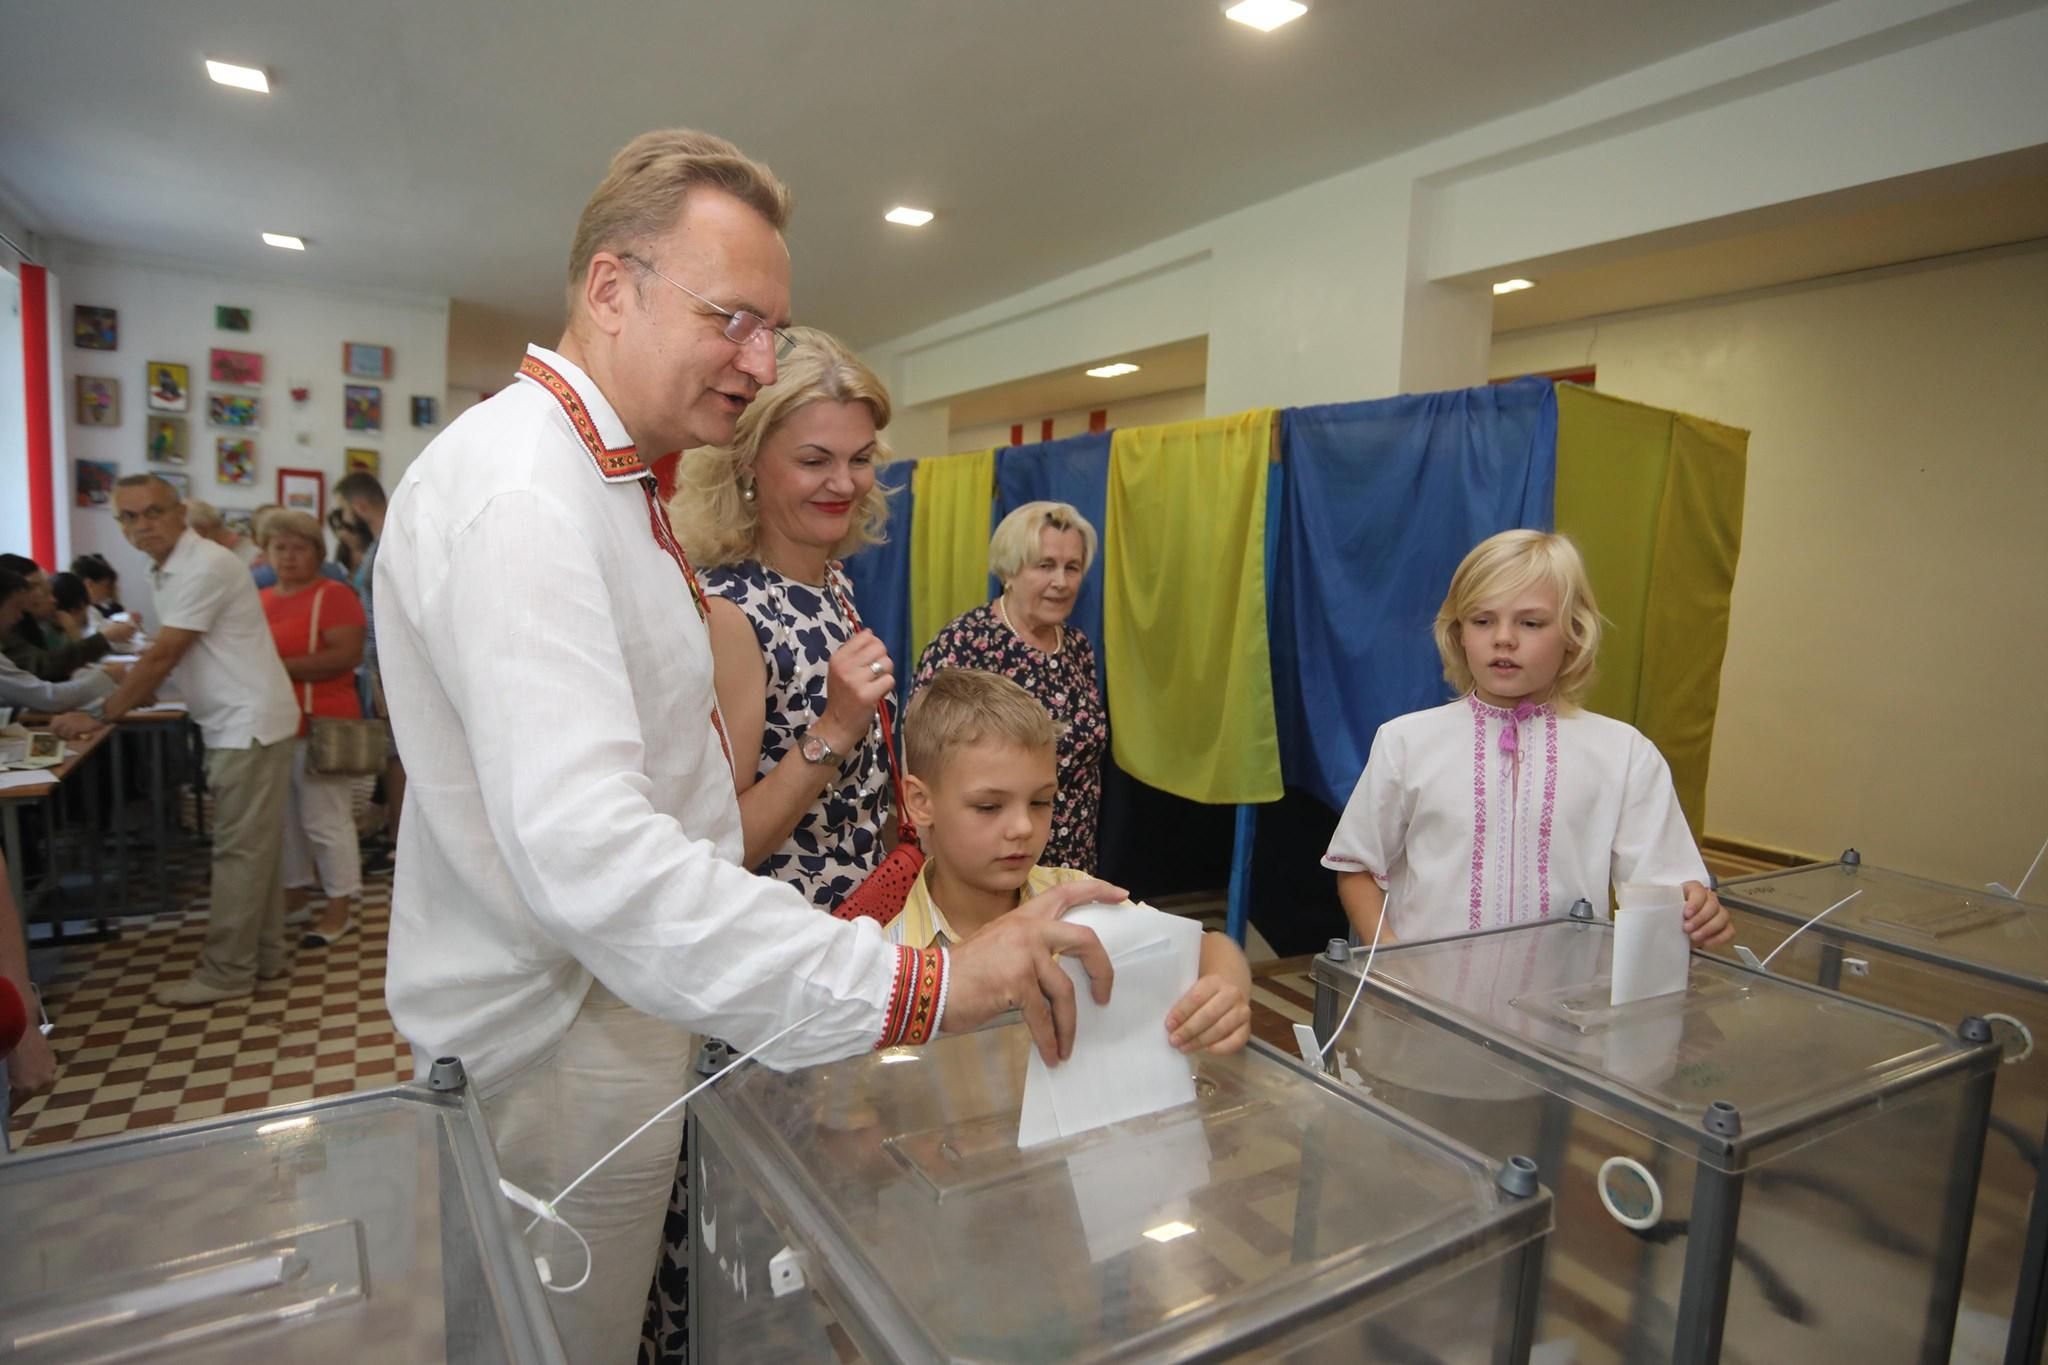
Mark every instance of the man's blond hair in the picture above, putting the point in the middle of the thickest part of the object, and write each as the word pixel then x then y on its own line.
pixel 958 707
pixel 643 193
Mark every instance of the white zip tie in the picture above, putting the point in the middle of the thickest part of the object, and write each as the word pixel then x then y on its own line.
pixel 1386 904
pixel 1766 963
pixel 2021 890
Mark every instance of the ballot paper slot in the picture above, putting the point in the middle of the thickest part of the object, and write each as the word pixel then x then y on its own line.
pixel 150 1310
pixel 1584 1007
pixel 1943 921
pixel 981 1154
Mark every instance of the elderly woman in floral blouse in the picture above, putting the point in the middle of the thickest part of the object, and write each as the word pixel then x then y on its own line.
pixel 1040 553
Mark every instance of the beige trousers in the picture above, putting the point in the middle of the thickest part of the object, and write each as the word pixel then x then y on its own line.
pixel 245 926
pixel 610 1073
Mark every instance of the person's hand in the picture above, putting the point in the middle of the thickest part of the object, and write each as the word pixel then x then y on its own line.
pixel 1214 1016
pixel 74 725
pixel 853 687
pixel 31 1067
pixel 1706 922
pixel 119 632
pixel 1011 964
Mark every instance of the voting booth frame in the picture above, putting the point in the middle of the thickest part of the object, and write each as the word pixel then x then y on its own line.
pixel 1929 972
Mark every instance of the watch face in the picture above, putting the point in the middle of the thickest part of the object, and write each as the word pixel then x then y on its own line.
pixel 812 748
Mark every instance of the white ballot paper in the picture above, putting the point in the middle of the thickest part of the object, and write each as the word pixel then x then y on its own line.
pixel 1123 1065
pixel 1652 955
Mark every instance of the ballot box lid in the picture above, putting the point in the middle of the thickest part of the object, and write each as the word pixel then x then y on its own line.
pixel 1975 931
pixel 360 1227
pixel 1781 1055
pixel 1278 1198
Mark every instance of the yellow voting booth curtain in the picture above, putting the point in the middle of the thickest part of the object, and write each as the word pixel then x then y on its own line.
pixel 1654 500
pixel 951 499
pixel 1184 608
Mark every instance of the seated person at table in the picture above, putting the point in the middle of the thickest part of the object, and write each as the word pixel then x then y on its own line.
pixel 35 642
pixel 1508 804
pixel 24 691
pixel 981 770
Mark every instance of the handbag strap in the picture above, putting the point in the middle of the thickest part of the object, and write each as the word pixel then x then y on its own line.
pixel 313 640
pixel 905 828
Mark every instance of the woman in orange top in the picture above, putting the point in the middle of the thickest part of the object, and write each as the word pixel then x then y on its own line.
pixel 318 626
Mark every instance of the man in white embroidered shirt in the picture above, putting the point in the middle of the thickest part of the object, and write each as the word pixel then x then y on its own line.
pixel 567 903
pixel 214 641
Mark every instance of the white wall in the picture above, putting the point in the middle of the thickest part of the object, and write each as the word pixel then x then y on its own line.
pixel 1883 680
pixel 14 518
pixel 1176 405
pixel 166 313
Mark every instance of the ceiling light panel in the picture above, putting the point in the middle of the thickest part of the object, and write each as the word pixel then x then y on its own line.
pixel 908 217
pixel 285 240
pixel 1112 371
pixel 241 77
pixel 1513 286
pixel 1265 15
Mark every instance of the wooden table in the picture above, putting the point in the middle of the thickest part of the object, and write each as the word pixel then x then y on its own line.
pixel 14 800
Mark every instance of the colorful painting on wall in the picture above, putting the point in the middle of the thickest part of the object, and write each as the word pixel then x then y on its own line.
pixel 235 367
pixel 181 484
pixel 234 409
pixel 240 519
pixel 167 440
pixel 234 459
pixel 425 411
pixel 302 490
pixel 95 329
pixel 170 387
pixel 96 482
pixel 99 401
pixel 362 407
pixel 359 461
pixel 360 360
pixel 230 319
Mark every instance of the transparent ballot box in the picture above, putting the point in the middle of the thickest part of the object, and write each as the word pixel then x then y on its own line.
pixel 1750 1169
pixel 365 1227
pixel 1942 952
pixel 881 1210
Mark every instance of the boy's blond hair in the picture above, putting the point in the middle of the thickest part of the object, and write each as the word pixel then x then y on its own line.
pixel 1505 564
pixel 959 707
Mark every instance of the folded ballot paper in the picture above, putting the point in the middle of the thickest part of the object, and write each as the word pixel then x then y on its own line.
pixel 1652 955
pixel 1123 1065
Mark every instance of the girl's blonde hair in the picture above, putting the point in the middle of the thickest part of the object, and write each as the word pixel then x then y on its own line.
pixel 1503 565
pixel 715 521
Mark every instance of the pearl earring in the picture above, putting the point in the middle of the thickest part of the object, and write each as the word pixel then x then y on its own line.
pixel 747 492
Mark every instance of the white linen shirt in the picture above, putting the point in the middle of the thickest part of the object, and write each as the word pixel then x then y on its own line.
pixel 570 807
pixel 231 678
pixel 1466 833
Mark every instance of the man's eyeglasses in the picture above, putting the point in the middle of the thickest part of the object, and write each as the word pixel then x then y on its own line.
pixel 741 326
pixel 153 512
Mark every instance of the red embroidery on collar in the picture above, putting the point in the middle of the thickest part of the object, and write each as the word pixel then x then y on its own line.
pixel 621 463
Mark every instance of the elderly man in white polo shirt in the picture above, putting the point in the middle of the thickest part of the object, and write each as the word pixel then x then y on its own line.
pixel 214 642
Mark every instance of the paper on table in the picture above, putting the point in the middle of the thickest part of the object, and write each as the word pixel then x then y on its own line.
pixel 1123 1065
pixel 27 779
pixel 1651 952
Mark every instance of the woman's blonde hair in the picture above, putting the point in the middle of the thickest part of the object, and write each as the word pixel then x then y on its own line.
pixel 282 521
pixel 1503 565
pixel 714 519
pixel 1015 542
pixel 957 707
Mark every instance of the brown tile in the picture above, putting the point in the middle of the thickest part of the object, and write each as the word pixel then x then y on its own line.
pixel 249 1071
pixel 237 1104
pixel 44 1137
pixel 206 1092
pixel 338 1031
pixel 131 1073
pixel 180 1028
pixel 284 1080
pixel 177 1054
pixel 333 1087
pixel 165 1085
pixel 150 1118
pixel 106 1109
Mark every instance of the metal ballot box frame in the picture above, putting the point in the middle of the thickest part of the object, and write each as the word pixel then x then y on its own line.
pixel 1941 951
pixel 360 1227
pixel 1752 1164
pixel 879 1209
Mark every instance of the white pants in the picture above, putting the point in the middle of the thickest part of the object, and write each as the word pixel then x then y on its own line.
pixel 610 1073
pixel 320 831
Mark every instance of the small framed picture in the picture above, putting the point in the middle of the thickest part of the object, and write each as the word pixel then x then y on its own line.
pixel 425 411
pixel 362 407
pixel 95 329
pixel 235 367
pixel 95 480
pixel 180 483
pixel 360 461
pixel 234 459
pixel 361 360
pixel 99 401
pixel 242 519
pixel 167 440
pixel 234 410
pixel 229 319
pixel 170 387
pixel 302 490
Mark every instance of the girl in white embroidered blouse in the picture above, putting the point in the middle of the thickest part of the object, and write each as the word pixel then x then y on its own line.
pixel 1512 802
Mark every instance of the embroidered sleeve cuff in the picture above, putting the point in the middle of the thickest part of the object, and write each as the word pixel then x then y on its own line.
pixel 916 1002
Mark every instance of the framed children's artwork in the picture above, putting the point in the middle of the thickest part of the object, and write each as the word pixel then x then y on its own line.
pixel 360 360
pixel 95 329
pixel 302 490
pixel 234 367
pixel 425 411
pixel 167 440
pixel 239 519
pixel 181 484
pixel 362 407
pixel 230 319
pixel 234 409
pixel 96 482
pixel 170 387
pixel 234 459
pixel 359 461
pixel 99 401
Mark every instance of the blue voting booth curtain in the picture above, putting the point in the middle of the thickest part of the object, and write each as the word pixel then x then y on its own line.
pixel 881 576
pixel 1074 471
pixel 1380 502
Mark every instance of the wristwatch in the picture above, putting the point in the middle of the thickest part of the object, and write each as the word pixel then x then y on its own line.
pixel 815 750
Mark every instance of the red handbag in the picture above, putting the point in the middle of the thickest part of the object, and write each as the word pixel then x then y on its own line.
pixel 882 893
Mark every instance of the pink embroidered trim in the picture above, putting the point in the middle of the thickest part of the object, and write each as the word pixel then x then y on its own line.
pixel 1549 806
pixel 1478 811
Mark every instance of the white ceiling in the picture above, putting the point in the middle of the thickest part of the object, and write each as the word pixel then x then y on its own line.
pixel 446 146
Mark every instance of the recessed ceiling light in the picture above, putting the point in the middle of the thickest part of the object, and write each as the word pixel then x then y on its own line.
pixel 1167 1232
pixel 241 77
pixel 909 217
pixel 1513 286
pixel 285 240
pixel 1265 15
pixel 1112 371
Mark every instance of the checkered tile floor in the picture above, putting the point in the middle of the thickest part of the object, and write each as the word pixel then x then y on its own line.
pixel 125 1062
